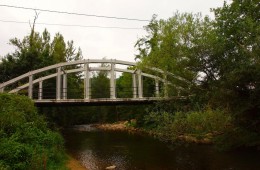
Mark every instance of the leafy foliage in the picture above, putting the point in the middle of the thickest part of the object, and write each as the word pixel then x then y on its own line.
pixel 124 86
pixel 100 84
pixel 36 51
pixel 25 140
pixel 215 65
pixel 171 125
pixel 238 27
pixel 171 46
pixel 218 61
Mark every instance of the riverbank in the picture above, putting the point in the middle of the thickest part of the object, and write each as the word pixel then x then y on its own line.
pixel 117 126
pixel 74 164
pixel 126 126
pixel 101 149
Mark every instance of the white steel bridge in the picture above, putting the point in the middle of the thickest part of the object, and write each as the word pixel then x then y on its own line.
pixel 35 79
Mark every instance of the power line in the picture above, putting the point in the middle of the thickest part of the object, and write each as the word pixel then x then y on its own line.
pixel 73 13
pixel 68 25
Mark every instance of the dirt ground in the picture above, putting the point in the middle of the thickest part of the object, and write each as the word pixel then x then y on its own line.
pixel 114 126
pixel 74 164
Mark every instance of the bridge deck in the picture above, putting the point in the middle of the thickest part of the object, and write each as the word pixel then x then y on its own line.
pixel 100 101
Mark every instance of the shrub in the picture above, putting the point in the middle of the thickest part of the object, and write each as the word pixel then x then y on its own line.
pixel 171 125
pixel 25 140
pixel 208 121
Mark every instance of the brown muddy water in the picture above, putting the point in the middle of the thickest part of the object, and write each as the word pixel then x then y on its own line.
pixel 97 150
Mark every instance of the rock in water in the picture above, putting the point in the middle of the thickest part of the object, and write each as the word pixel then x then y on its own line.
pixel 111 167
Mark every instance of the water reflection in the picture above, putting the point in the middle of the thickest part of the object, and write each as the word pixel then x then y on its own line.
pixel 98 150
pixel 94 162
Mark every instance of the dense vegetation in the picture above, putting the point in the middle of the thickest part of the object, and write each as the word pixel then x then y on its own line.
pixel 25 140
pixel 216 66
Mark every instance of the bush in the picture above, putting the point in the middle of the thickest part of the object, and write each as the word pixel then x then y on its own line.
pixel 25 140
pixel 208 121
pixel 171 125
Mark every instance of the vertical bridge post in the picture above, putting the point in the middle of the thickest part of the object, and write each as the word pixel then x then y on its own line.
pixel 112 82
pixel 157 92
pixel 58 83
pixel 140 84
pixel 30 89
pixel 86 82
pixel 40 90
pixel 64 86
pixel 134 85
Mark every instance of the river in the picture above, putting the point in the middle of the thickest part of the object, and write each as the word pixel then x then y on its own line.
pixel 97 150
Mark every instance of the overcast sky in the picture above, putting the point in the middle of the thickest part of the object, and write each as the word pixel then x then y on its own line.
pixel 94 42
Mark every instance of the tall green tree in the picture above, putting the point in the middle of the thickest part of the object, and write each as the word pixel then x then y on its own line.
pixel 238 27
pixel 100 84
pixel 35 51
pixel 124 86
pixel 179 45
pixel 218 59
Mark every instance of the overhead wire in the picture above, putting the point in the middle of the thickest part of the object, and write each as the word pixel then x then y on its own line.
pixel 72 25
pixel 74 13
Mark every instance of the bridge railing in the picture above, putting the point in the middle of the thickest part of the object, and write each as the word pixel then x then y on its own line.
pixel 50 93
pixel 35 80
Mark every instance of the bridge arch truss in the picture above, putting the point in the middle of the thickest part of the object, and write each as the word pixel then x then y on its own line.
pixel 61 70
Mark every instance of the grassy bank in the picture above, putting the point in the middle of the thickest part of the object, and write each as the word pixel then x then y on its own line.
pixel 202 127
pixel 206 126
pixel 131 128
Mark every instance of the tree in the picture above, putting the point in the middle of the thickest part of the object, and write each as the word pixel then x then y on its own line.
pixel 218 59
pixel 124 86
pixel 179 45
pixel 37 50
pixel 100 84
pixel 238 27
